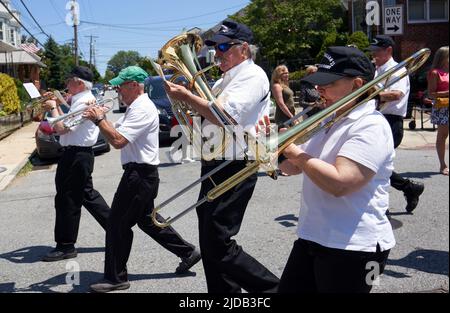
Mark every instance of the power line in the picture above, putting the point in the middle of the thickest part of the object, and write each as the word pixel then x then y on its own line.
pixel 171 21
pixel 26 8
pixel 20 23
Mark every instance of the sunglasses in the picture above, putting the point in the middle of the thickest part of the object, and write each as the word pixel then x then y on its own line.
pixel 224 47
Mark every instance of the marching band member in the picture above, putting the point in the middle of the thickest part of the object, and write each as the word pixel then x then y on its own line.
pixel 344 234
pixel 73 179
pixel 136 135
pixel 394 107
pixel 245 97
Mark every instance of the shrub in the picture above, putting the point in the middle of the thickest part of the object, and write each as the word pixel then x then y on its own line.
pixel 8 95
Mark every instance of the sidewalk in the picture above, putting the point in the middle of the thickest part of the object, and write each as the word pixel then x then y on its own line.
pixel 15 151
pixel 18 147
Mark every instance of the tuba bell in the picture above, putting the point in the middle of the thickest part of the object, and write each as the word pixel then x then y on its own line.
pixel 179 55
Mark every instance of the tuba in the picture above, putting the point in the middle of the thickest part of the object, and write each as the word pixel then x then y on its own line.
pixel 269 150
pixel 179 55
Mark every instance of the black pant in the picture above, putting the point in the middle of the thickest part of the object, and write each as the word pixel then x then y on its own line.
pixel 133 204
pixel 312 268
pixel 74 189
pixel 396 123
pixel 227 267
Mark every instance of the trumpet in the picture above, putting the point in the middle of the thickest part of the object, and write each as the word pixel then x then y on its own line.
pixel 270 150
pixel 37 104
pixel 75 117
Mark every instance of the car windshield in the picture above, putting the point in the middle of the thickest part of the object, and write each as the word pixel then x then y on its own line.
pixel 156 89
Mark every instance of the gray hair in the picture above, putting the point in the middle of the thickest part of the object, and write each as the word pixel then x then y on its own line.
pixel 87 85
pixel 253 51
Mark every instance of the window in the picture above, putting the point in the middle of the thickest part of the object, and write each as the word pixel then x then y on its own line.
pixel 1 31
pixel 12 37
pixel 389 3
pixel 420 11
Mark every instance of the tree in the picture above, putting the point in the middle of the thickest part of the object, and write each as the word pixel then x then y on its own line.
pixel 53 74
pixel 123 59
pixel 146 65
pixel 359 39
pixel 292 31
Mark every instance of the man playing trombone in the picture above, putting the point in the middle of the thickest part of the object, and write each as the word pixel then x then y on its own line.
pixel 245 96
pixel 136 135
pixel 73 179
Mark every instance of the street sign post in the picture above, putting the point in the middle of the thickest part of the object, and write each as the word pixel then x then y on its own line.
pixel 393 20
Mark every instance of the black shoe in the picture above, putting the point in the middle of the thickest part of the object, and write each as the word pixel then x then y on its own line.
pixel 412 194
pixel 187 263
pixel 107 286
pixel 58 255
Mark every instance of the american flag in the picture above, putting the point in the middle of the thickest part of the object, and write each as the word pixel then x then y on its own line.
pixel 30 47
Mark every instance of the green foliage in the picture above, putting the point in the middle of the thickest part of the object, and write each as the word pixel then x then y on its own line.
pixel 297 75
pixel 123 59
pixel 359 39
pixel 332 39
pixel 22 93
pixel 146 65
pixel 60 61
pixel 108 76
pixel 53 73
pixel 292 31
pixel 8 95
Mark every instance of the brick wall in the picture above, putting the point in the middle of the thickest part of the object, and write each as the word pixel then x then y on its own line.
pixel 418 36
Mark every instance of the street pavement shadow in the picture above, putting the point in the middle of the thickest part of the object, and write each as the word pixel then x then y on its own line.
pixel 424 260
pixel 35 254
pixel 420 175
pixel 289 220
pixel 86 278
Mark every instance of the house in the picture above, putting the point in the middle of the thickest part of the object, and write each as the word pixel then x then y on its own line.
pixel 17 59
pixel 425 23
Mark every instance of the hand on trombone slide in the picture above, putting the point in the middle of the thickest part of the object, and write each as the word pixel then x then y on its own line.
pixel 264 126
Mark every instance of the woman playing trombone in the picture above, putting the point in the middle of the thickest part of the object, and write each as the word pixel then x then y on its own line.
pixel 344 233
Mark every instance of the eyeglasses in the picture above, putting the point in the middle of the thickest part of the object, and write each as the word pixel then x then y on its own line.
pixel 224 47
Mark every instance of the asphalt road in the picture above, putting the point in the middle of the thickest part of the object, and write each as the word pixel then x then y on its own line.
pixel 418 263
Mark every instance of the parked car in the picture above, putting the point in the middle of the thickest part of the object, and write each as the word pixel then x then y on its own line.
pixel 156 92
pixel 47 141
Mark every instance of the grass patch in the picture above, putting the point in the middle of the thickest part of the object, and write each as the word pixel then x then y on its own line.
pixel 25 170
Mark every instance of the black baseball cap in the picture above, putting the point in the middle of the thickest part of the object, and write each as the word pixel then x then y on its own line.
pixel 339 62
pixel 231 30
pixel 82 72
pixel 381 41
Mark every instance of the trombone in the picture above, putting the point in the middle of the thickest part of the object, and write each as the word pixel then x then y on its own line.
pixel 298 134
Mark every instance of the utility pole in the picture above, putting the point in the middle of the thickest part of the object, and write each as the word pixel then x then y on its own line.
pixel 91 50
pixel 76 21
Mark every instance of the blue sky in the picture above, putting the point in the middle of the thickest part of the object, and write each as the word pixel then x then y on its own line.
pixel 140 25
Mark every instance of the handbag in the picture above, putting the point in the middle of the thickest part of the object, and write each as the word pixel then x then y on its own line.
pixel 441 103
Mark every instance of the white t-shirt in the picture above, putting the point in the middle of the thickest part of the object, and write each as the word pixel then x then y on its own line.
pixel 357 221
pixel 399 107
pixel 244 92
pixel 86 133
pixel 140 126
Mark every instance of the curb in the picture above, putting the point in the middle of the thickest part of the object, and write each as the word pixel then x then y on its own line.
pixel 7 179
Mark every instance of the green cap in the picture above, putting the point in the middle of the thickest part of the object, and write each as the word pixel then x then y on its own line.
pixel 131 73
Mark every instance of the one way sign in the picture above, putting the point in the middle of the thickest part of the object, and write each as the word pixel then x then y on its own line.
pixel 393 20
